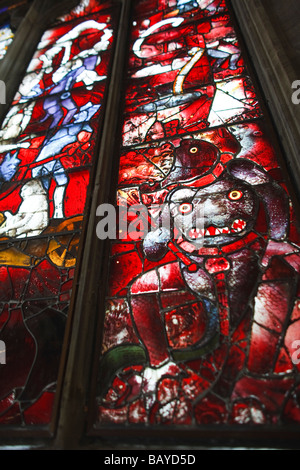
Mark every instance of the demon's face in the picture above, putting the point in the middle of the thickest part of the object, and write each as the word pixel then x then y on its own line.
pixel 216 214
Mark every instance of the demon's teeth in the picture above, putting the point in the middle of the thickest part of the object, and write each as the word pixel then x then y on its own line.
pixel 238 226
pixel 210 231
pixel 196 233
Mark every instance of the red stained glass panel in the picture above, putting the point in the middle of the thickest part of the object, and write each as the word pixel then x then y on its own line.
pixel 48 149
pixel 207 316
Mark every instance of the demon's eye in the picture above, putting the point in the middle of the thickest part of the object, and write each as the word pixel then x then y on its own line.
pixel 193 149
pixel 235 195
pixel 185 208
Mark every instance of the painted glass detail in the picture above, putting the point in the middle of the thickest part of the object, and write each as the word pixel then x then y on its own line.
pixel 202 323
pixel 47 150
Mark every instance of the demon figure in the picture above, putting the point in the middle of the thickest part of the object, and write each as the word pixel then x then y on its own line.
pixel 195 308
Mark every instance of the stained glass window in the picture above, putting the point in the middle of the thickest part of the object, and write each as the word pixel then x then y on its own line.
pixel 202 319
pixel 47 152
